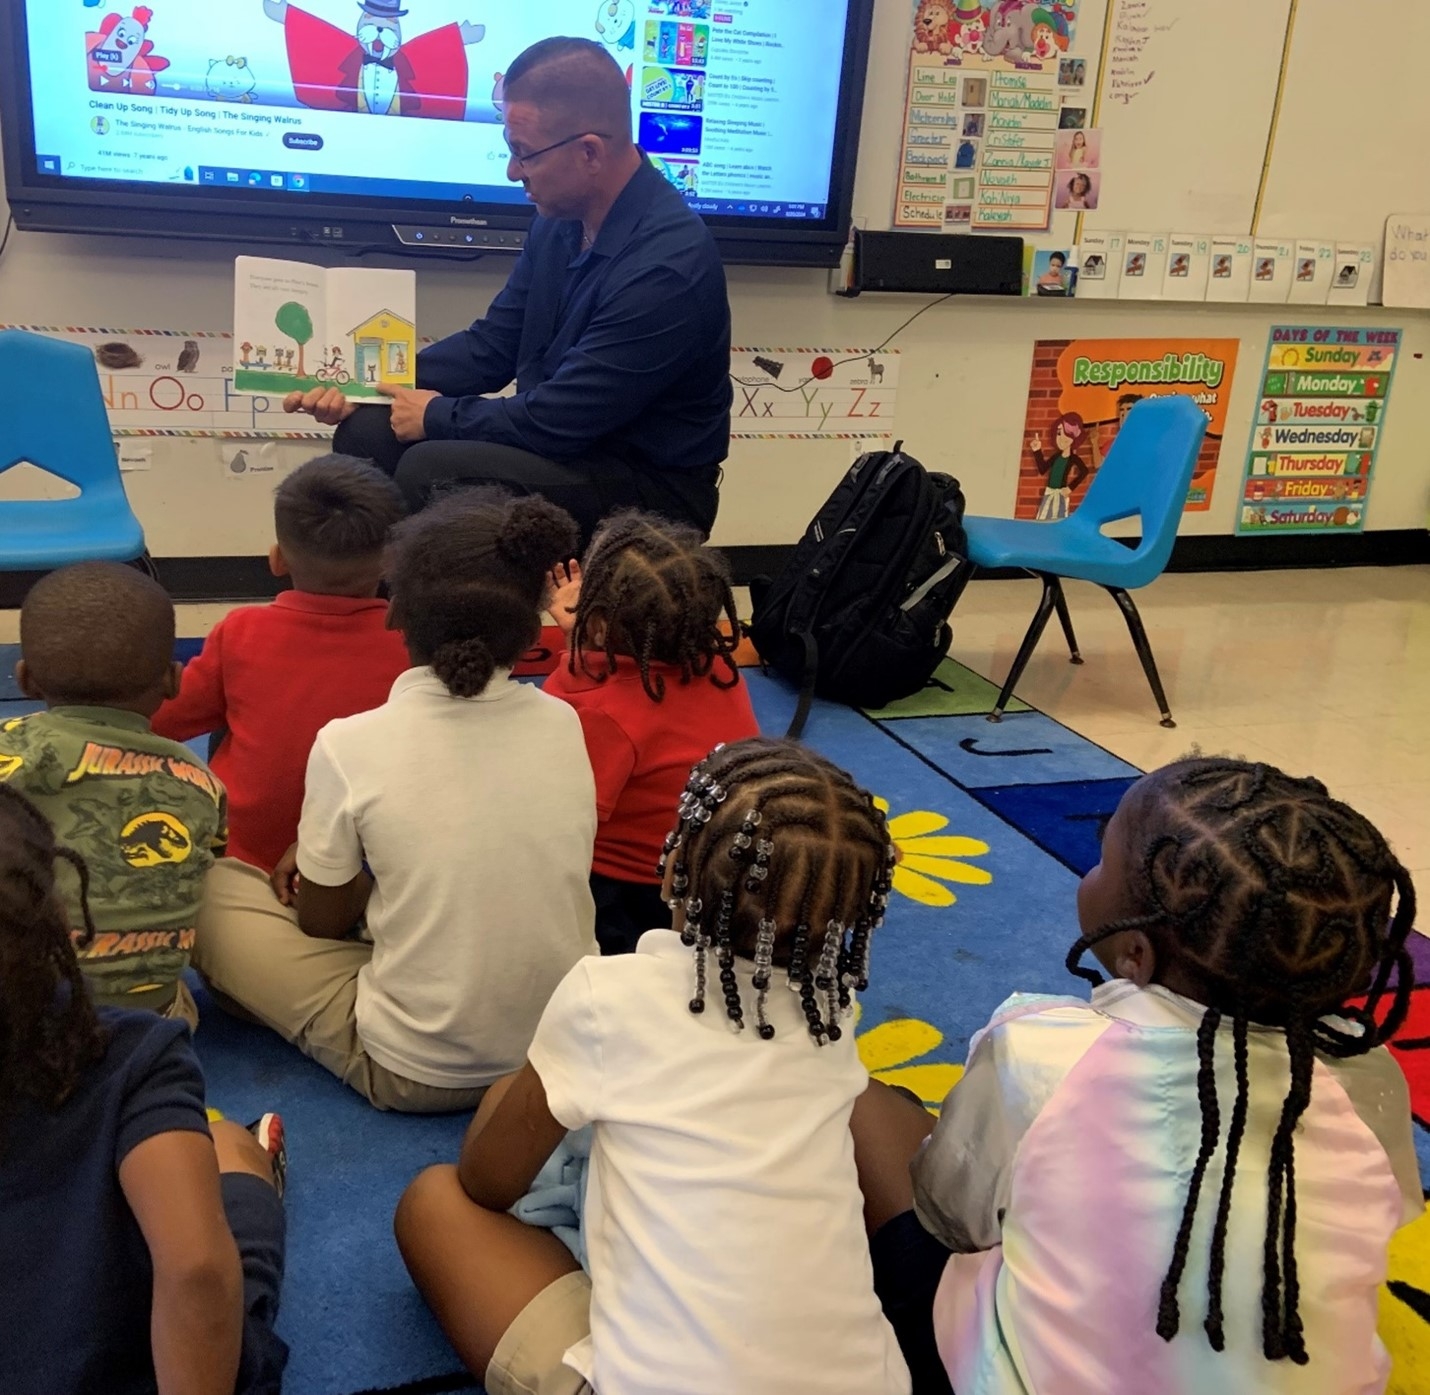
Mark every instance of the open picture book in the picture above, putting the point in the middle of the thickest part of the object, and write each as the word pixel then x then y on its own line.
pixel 297 327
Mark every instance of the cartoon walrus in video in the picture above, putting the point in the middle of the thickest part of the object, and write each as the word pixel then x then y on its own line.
pixel 376 70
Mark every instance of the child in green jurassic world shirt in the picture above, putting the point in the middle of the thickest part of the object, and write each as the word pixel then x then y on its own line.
pixel 145 814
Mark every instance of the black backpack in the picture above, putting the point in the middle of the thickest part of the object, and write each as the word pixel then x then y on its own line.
pixel 860 615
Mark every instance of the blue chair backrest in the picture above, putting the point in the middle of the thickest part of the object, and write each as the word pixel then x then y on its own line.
pixel 1147 472
pixel 55 418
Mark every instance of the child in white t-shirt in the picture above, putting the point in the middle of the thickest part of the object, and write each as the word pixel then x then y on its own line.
pixel 458 818
pixel 723 1218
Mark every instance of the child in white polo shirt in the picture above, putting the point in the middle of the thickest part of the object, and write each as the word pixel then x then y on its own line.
pixel 723 1219
pixel 459 818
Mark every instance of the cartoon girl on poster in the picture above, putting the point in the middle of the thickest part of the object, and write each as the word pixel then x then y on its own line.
pixel 1064 471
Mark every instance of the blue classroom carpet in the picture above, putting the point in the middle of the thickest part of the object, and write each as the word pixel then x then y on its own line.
pixel 996 822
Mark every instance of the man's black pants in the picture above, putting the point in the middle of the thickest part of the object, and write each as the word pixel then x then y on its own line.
pixel 588 490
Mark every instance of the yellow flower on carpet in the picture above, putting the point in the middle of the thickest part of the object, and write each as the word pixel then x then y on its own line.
pixel 892 1052
pixel 926 857
pixel 1405 1331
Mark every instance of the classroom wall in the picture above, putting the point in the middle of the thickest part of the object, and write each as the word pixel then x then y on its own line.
pixel 963 386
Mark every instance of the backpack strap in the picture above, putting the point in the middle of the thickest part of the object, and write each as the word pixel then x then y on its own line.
pixel 806 685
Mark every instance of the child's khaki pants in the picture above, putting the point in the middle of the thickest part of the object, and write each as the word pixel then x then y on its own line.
pixel 250 949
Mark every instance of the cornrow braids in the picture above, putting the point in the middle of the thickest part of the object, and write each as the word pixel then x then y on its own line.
pixel 660 594
pixel 793 863
pixel 1277 901
pixel 49 1033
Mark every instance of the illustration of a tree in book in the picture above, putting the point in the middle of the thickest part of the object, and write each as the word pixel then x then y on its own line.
pixel 294 321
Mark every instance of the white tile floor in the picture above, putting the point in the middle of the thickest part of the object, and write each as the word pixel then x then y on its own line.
pixel 1325 673
pixel 1321 672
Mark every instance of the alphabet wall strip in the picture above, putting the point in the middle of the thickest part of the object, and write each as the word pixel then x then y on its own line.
pixel 813 394
pixel 177 382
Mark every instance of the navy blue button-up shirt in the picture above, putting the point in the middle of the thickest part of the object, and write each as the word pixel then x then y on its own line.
pixel 622 351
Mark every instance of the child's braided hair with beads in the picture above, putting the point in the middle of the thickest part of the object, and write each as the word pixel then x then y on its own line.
pixel 1275 901
pixel 779 857
pixel 49 1034
pixel 660 594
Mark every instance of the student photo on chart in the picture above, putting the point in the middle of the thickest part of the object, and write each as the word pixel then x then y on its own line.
pixel 1077 189
pixel 1078 149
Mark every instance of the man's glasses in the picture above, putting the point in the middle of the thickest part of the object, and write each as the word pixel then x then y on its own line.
pixel 522 161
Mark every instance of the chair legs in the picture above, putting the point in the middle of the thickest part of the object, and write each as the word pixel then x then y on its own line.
pixel 1054 600
pixel 1052 594
pixel 1128 608
pixel 1065 619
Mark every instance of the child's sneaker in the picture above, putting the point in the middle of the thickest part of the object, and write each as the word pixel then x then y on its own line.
pixel 268 1130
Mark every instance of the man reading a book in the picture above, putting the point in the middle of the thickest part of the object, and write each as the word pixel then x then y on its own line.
pixel 614 324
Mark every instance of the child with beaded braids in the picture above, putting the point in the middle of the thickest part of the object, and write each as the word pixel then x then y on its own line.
pixel 1190 1184
pixel 723 1219
pixel 458 818
pixel 652 675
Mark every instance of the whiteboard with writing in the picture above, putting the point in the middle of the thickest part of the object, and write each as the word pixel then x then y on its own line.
pixel 1185 101
pixel 1407 260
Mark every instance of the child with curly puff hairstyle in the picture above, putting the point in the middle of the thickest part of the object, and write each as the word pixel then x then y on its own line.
pixel 458 818
pixel 651 673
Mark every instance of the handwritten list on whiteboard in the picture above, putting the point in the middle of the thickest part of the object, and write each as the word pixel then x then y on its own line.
pixel 1129 68
pixel 1185 103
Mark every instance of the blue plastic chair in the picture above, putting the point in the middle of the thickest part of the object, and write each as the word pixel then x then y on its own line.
pixel 1146 474
pixel 56 421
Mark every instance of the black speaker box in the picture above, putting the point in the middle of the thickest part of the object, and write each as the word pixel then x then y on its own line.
pixel 937 263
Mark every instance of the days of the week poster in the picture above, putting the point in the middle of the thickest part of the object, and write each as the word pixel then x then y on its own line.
pixel 1319 420
pixel 1080 394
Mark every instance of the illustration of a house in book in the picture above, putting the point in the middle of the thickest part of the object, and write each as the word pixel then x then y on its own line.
pixel 384 349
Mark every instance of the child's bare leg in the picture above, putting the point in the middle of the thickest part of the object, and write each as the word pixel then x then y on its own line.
pixel 888 1129
pixel 477 1269
pixel 239 1151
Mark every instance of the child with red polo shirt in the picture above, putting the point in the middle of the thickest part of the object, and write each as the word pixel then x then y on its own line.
pixel 271 677
pixel 652 675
